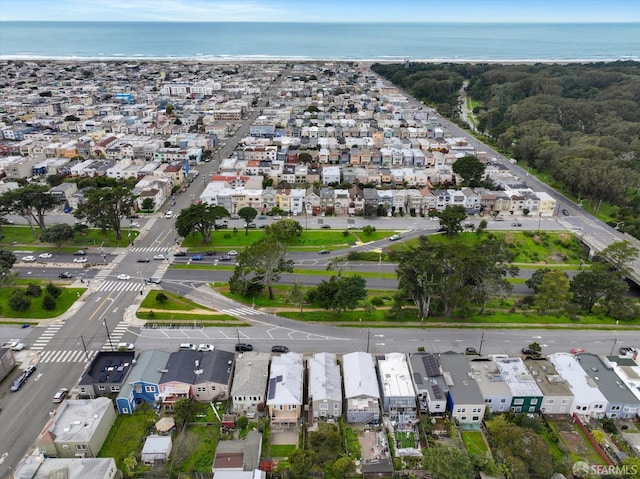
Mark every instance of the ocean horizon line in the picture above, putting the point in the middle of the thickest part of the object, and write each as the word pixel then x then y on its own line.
pixel 435 22
pixel 293 58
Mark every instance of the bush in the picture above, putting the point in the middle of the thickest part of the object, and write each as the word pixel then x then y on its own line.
pixel 48 302
pixel 54 290
pixel 19 302
pixel 162 298
pixel 345 233
pixel 33 290
pixel 377 301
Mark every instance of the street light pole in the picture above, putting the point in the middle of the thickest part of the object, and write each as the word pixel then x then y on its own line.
pixel 84 347
pixel 104 320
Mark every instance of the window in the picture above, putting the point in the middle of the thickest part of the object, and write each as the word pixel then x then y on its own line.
pixel 101 388
pixel 503 400
pixel 150 389
pixel 65 446
pixel 534 401
pixel 323 406
pixel 565 401
pixel 336 406
pixel 213 388
pixel 475 418
pixel 125 410
pixel 81 447
pixel 488 400
pixel 115 389
pixel 518 401
pixel 548 401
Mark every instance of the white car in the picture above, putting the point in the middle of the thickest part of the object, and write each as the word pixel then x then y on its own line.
pixel 80 260
pixel 124 276
pixel 125 347
pixel 16 346
pixel 28 259
pixel 45 255
pixel 168 214
pixel 206 347
pixel 134 225
pixel 233 253
pixel 158 256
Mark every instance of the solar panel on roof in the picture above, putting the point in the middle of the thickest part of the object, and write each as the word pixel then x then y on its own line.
pixel 272 387
pixel 117 377
pixel 103 377
pixel 417 378
pixel 431 365
pixel 437 392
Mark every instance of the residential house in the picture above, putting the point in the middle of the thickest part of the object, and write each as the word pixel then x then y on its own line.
pixel 589 400
pixel 428 383
pixel 493 388
pixel 325 386
pixel 526 395
pixel 143 381
pixel 107 373
pixel 178 377
pixel 78 428
pixel 38 467
pixel 284 391
pixel 622 403
pixel 361 389
pixel 398 394
pixel 238 454
pixel 464 400
pixel 558 398
pixel 249 383
pixel 63 192
pixel 213 376
pixel 330 174
pixel 7 362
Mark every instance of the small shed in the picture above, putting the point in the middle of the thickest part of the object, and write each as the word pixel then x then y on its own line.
pixel 165 425
pixel 229 421
pixel 156 449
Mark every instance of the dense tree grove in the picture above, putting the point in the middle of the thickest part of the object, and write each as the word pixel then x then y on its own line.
pixel 580 122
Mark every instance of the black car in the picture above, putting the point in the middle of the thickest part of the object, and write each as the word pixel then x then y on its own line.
pixel 65 275
pixel 210 253
pixel 244 347
pixel 471 351
pixel 221 227
pixel 252 225
pixel 133 217
pixel 142 260
pixel 326 227
pixel 279 349
pixel 29 371
pixel 180 253
pixel 566 212
pixel 528 351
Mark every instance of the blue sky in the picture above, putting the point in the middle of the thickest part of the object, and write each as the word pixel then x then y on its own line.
pixel 324 10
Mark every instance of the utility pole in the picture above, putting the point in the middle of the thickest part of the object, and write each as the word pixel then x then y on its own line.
pixel 481 341
pixel 368 338
pixel 104 320
pixel 84 346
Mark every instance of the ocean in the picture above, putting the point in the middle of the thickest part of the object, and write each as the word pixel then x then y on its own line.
pixel 320 41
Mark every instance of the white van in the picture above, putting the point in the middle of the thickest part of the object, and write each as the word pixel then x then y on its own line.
pixel 187 347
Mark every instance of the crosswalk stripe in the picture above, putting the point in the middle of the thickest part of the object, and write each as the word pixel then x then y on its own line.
pixel 119 285
pixel 151 249
pixel 241 312
pixel 66 356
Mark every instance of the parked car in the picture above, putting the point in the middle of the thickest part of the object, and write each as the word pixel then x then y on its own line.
pixel 124 276
pixel 221 226
pixel 196 257
pixel 168 214
pixel 529 351
pixel 60 395
pixel 279 349
pixel 45 255
pixel 134 225
pixel 80 260
pixel 244 347
pixel 499 218
pixel 142 260
pixel 17 384
pixel 28 259
pixel 187 347
pixel 565 212
pixel 324 251
pixel 252 225
pixel 16 346
pixel 65 275
pixel 80 252
pixel 134 217
pixel 206 347
pixel 517 224
pixel 471 351
pixel 326 227
pixel 29 371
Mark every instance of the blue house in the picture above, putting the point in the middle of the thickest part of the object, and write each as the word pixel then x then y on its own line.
pixel 143 380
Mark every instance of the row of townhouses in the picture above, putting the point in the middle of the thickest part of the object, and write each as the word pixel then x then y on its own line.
pixel 326 125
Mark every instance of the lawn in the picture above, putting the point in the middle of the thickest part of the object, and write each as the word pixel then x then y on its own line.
pixel 127 434
pixel 281 450
pixel 527 247
pixel 174 303
pixel 202 441
pixel 178 308
pixel 474 442
pixel 405 440
pixel 67 297
pixel 19 237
